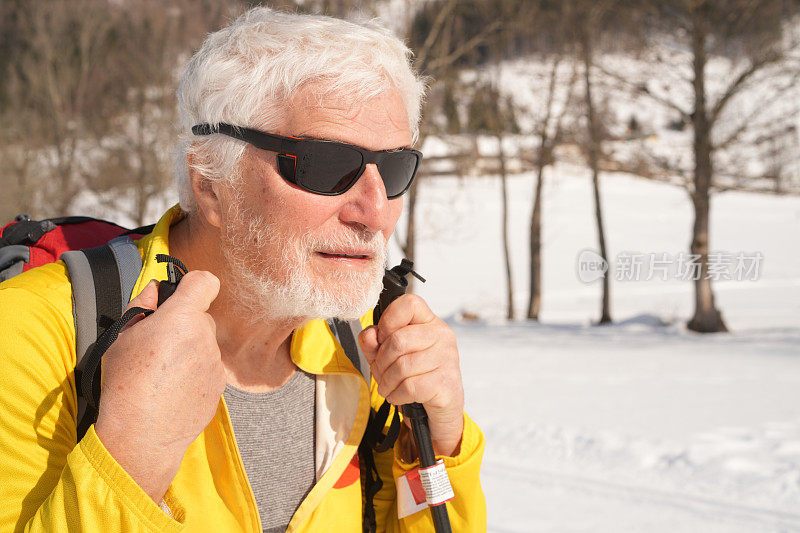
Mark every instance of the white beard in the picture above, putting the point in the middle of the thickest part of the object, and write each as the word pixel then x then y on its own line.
pixel 270 273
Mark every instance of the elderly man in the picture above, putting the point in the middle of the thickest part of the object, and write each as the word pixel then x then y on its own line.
pixel 232 407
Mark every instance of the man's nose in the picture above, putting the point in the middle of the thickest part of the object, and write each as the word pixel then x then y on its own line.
pixel 366 201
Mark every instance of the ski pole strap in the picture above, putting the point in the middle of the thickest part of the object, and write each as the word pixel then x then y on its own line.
pixel 372 485
pixel 90 374
pixel 88 378
pixel 175 272
pixel 373 440
pixel 377 421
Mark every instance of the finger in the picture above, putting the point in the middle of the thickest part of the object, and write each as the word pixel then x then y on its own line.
pixel 147 299
pixel 368 340
pixel 414 338
pixel 404 367
pixel 196 291
pixel 408 309
pixel 421 389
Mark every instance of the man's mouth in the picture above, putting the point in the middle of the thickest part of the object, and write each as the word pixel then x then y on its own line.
pixel 345 255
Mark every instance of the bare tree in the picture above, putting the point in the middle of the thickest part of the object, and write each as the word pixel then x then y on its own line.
pixel 436 59
pixel 89 89
pixel 501 157
pixel 61 75
pixel 550 130
pixel 706 316
pixel 143 133
pixel 588 25
pixel 498 125
pixel 757 44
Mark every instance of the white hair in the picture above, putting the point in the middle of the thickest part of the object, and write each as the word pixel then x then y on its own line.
pixel 245 74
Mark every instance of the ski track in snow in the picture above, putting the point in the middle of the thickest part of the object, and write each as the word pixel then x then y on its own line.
pixel 731 513
pixel 635 427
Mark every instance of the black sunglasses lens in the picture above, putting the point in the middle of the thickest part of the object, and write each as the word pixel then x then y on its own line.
pixel 397 170
pixel 328 168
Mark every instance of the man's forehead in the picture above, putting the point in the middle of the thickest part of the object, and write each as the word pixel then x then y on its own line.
pixel 378 123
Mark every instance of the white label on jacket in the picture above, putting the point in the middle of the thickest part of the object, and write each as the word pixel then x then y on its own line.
pixel 410 494
pixel 436 483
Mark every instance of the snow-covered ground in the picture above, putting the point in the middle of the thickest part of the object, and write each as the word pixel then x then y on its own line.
pixel 641 425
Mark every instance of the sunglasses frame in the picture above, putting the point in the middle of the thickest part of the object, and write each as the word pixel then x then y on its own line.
pixel 296 147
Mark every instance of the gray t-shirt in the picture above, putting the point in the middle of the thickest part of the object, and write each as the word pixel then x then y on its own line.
pixel 275 434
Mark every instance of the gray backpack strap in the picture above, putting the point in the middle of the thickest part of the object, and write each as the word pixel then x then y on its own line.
pixel 102 283
pixel 129 266
pixel 12 259
pixel 346 332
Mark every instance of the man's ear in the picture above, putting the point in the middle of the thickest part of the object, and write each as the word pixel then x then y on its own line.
pixel 207 199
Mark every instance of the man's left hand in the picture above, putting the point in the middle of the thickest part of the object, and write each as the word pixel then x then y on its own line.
pixel 413 357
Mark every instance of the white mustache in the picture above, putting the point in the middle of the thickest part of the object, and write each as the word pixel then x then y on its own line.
pixel 373 243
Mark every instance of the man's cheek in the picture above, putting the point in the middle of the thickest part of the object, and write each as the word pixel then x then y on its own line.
pixel 397 209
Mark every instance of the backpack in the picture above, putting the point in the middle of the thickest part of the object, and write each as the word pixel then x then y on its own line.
pixel 104 263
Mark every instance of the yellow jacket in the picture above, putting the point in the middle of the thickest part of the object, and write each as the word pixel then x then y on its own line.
pixel 48 483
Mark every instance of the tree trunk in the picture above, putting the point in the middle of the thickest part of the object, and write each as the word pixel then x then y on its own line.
pixel 501 157
pixel 535 297
pixel 706 319
pixel 593 151
pixel 535 301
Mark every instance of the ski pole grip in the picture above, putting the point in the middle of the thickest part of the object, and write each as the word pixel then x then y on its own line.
pixel 394 286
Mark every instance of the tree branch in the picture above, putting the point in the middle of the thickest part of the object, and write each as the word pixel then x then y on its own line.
pixel 747 121
pixel 643 89
pixel 463 49
pixel 769 58
pixel 551 89
pixel 436 30
pixel 557 134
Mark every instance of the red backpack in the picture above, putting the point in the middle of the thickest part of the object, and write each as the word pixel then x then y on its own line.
pixel 26 243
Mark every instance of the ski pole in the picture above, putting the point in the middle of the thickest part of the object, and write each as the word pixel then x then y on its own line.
pixel 395 284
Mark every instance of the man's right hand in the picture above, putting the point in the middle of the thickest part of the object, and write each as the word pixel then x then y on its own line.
pixel 161 383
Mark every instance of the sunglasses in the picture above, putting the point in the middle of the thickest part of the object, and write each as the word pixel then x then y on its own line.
pixel 326 167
